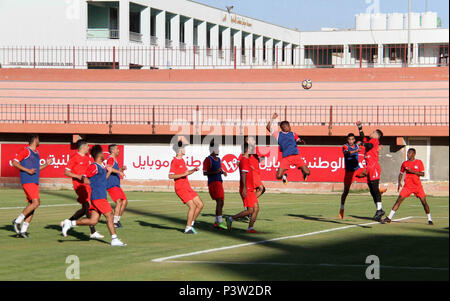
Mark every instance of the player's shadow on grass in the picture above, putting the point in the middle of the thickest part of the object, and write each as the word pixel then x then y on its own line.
pixel 57 193
pixel 239 220
pixel 79 235
pixel 320 219
pixel 156 226
pixel 362 217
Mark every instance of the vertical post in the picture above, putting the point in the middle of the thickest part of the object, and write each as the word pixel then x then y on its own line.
pixel 378 115
pixel 153 120
pixel 409 32
pixel 285 113
pixel 73 56
pixel 242 118
pixel 360 56
pixel 110 119
pixel 34 56
pixel 154 58
pixel 235 63
pixel 114 57
pixel 25 110
pixel 425 115
pixel 330 126
pixel 68 113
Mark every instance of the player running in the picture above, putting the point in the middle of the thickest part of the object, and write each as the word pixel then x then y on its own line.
pixel 76 169
pixel 212 168
pixel 413 169
pixel 113 184
pixel 97 175
pixel 373 169
pixel 28 163
pixel 179 173
pixel 287 141
pixel 247 191
pixel 352 169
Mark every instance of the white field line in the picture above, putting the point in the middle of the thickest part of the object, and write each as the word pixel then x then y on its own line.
pixel 269 240
pixel 305 264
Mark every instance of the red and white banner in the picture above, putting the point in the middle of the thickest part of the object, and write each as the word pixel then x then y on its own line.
pixel 60 153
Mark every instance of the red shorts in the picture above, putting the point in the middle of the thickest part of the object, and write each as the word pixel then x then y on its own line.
pixel 295 160
pixel 407 191
pixel 116 193
pixel 31 191
pixel 216 190
pixel 185 193
pixel 83 191
pixel 102 206
pixel 257 180
pixel 250 200
pixel 373 172
pixel 350 176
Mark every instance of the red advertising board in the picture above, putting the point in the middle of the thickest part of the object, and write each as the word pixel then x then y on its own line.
pixel 60 153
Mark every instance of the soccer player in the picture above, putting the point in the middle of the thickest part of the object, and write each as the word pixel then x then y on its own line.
pixel 287 141
pixel 254 160
pixel 97 174
pixel 76 169
pixel 352 169
pixel 212 168
pixel 179 173
pixel 247 191
pixel 413 169
pixel 373 169
pixel 28 163
pixel 113 184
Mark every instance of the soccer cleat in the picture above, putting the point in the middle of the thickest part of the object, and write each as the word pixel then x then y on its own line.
pixel 16 226
pixel 378 215
pixel 117 243
pixel 118 225
pixel 229 223
pixel 285 181
pixel 24 235
pixel 252 231
pixel 96 235
pixel 189 232
pixel 223 226
pixel 386 220
pixel 65 226
pixel 430 223
pixel 216 225
pixel 341 214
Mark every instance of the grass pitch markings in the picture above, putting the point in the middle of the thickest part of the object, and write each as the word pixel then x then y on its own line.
pixel 166 259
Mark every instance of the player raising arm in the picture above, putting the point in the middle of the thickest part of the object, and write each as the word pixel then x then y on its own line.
pixel 28 163
pixel 287 140
pixel 413 169
pixel 97 175
pixel 179 173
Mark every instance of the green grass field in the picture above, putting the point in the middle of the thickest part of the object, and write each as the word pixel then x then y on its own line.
pixel 153 224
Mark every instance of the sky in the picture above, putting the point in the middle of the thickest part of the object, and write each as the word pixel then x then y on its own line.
pixel 315 14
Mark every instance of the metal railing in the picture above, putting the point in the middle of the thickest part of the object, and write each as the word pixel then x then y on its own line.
pixel 314 115
pixel 196 57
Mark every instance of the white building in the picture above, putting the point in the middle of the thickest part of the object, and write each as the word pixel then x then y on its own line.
pixel 185 34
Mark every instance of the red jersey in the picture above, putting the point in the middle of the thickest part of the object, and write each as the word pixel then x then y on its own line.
pixel 412 180
pixel 78 164
pixel 372 156
pixel 177 167
pixel 245 166
pixel 254 164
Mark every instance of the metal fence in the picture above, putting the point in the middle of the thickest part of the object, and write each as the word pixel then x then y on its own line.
pixel 427 115
pixel 180 56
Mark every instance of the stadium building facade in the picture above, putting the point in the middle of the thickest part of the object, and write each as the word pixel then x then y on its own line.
pixel 164 34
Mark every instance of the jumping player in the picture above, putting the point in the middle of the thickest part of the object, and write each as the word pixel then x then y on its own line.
pixel 28 163
pixel 76 169
pixel 247 191
pixel 413 169
pixel 352 169
pixel 287 141
pixel 97 174
pixel 113 184
pixel 179 173
pixel 212 168
pixel 373 170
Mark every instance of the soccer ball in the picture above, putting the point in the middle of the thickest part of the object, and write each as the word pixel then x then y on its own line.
pixel 307 84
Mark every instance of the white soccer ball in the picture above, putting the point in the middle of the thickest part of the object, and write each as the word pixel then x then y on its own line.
pixel 307 84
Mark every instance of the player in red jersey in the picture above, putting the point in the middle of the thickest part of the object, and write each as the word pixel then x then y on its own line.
pixel 212 168
pixel 247 191
pixel 76 169
pixel 413 169
pixel 28 163
pixel 179 173
pixel 113 184
pixel 373 169
pixel 97 174
pixel 254 160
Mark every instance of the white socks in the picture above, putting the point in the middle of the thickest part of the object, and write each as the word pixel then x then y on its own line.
pixel 391 215
pixel 193 223
pixel 73 223
pixel 429 217
pixel 379 206
pixel 24 227
pixel 219 219
pixel 20 219
pixel 116 219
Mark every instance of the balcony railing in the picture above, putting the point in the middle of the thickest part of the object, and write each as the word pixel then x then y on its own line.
pixel 100 33
pixel 169 43
pixel 183 46
pixel 153 41
pixel 135 37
